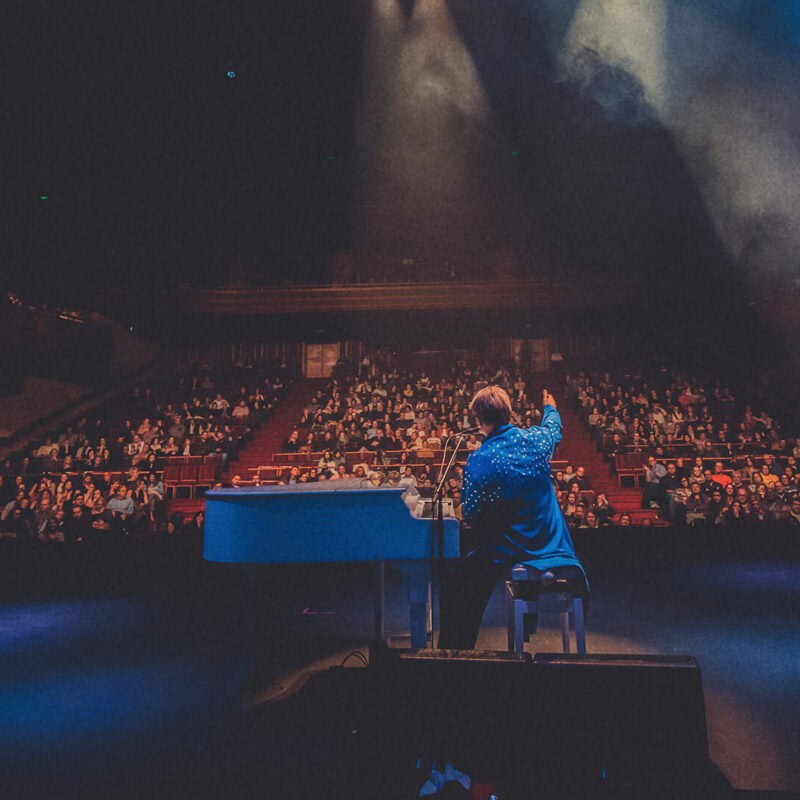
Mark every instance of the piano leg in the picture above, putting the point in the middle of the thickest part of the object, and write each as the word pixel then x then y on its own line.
pixel 380 606
pixel 252 616
pixel 418 581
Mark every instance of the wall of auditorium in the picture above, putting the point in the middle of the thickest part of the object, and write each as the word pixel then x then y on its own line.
pixel 318 360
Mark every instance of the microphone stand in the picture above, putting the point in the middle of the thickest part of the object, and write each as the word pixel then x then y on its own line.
pixel 437 522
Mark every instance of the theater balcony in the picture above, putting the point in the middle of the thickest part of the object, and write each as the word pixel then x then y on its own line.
pixel 507 293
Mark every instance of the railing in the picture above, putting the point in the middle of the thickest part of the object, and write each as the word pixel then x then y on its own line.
pixel 282 463
pixel 505 293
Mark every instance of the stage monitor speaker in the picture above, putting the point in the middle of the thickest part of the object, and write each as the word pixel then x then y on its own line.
pixel 556 726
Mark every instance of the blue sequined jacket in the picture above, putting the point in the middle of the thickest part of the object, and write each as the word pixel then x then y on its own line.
pixel 507 495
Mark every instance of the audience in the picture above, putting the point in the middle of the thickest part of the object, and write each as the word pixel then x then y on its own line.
pixel 103 475
pixel 704 458
pixel 379 418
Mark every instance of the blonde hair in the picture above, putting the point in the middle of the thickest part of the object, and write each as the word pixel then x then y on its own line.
pixel 491 406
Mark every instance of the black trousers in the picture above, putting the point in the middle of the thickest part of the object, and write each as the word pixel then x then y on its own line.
pixel 467 591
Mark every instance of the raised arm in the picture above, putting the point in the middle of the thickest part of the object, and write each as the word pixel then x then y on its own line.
pixel 551 419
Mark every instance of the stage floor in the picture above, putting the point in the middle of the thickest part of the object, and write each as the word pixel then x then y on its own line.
pixel 128 678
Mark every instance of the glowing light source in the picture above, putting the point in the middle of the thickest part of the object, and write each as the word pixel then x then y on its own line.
pixel 426 138
pixel 631 35
pixel 231 73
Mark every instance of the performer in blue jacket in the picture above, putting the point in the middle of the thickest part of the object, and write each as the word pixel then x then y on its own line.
pixel 509 502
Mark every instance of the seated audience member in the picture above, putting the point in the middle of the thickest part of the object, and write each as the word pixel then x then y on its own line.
pixel 570 502
pixel 308 445
pixel 327 463
pixel 669 483
pixel 43 512
pixel 93 497
pixel 716 507
pixel 774 503
pixel 582 479
pixel 121 508
pixel 9 507
pixel 19 525
pixel 768 478
pixel 786 489
pixel 201 445
pixel 759 503
pixel 175 524
pixel 637 444
pixel 696 476
pixel 177 430
pixel 614 447
pixel 361 471
pixel 292 444
pixel 719 476
pixel 591 520
pixel 342 473
pixel 794 512
pixel 52 464
pixel 736 516
pixel 78 525
pixel 45 449
pixel 219 405
pixel 241 411
pixel 678 500
pixel 578 517
pixel 696 506
pixel 155 496
pixel 756 481
pixel 603 510
pixel 150 464
pixel 729 494
pixel 54 529
pixel 472 443
pixel 653 494
pixel 100 518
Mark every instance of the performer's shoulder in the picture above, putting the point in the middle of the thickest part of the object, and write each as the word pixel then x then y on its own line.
pixel 534 432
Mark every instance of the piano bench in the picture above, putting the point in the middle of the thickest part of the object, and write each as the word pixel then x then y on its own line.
pixel 530 593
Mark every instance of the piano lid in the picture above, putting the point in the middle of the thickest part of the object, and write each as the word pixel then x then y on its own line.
pixel 323 487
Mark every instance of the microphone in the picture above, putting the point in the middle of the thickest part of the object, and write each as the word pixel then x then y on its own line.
pixel 467 431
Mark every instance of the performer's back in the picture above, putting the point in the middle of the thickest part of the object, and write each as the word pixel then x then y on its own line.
pixel 508 500
pixel 508 496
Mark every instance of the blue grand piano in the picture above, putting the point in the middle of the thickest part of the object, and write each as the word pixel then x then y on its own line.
pixel 345 520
